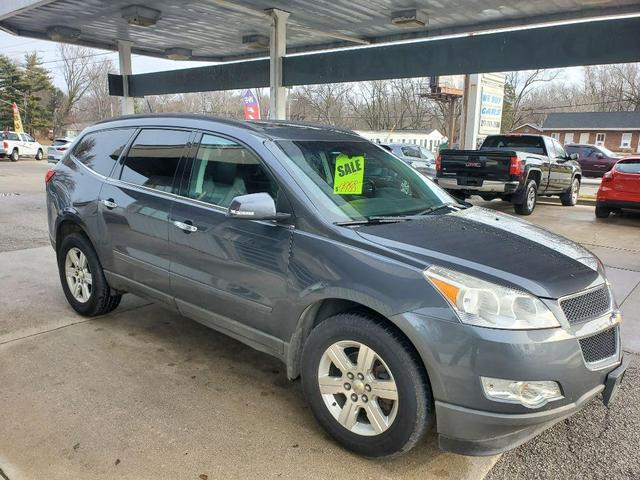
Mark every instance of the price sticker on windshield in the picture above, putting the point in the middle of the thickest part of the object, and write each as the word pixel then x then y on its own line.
pixel 349 175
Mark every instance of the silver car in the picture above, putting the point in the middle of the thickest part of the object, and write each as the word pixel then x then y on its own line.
pixel 58 148
pixel 418 157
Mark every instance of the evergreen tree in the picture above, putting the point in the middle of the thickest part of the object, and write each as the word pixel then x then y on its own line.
pixel 12 85
pixel 37 91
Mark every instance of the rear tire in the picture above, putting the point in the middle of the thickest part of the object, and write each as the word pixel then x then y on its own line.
pixel 570 197
pixel 82 278
pixel 530 199
pixel 14 157
pixel 602 212
pixel 358 351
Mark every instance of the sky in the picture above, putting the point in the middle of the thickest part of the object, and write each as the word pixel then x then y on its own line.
pixel 16 47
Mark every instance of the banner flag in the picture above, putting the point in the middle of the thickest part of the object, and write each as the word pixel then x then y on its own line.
pixel 251 106
pixel 17 121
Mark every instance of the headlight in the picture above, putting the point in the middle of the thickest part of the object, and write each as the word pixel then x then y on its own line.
pixel 485 304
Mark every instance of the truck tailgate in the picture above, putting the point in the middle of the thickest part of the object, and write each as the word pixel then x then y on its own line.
pixel 473 166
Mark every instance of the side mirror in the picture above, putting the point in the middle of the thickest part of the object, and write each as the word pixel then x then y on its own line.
pixel 573 156
pixel 255 206
pixel 599 155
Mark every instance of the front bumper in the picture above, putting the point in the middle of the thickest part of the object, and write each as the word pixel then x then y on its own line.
pixel 488 186
pixel 457 355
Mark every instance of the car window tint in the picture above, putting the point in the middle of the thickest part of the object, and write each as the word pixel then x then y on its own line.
pixel 628 166
pixel 59 141
pixel 560 153
pixel 153 158
pixel 223 169
pixel 100 150
pixel 29 138
pixel 11 136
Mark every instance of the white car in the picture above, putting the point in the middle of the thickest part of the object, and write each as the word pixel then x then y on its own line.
pixel 58 149
pixel 14 145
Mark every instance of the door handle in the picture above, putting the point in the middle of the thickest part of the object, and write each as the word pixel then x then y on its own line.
pixel 110 204
pixel 185 227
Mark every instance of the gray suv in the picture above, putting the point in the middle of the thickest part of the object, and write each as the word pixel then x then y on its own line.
pixel 401 309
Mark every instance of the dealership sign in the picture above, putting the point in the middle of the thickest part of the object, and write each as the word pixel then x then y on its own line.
pixel 491 98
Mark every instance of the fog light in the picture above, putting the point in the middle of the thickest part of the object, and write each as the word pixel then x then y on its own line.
pixel 534 394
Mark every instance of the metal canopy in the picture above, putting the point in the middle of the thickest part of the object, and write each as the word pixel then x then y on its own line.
pixel 588 43
pixel 213 29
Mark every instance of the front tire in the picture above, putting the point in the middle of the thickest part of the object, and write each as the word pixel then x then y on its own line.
pixel 530 199
pixel 39 155
pixel 570 197
pixel 366 386
pixel 82 278
pixel 14 157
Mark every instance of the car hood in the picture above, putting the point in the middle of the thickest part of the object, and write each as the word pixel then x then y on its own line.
pixel 493 246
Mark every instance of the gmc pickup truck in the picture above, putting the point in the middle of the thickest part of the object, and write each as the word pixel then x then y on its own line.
pixel 515 168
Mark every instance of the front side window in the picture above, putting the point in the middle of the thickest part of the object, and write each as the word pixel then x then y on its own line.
pixel 411 152
pixel 560 153
pixel 354 180
pixel 153 158
pixel 100 150
pixel 224 169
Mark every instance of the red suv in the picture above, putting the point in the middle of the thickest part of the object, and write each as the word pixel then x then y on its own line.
pixel 620 187
pixel 595 161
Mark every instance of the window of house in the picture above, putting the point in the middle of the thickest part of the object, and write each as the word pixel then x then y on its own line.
pixel 625 142
pixel 584 137
pixel 153 158
pixel 568 138
pixel 555 135
pixel 223 170
pixel 600 138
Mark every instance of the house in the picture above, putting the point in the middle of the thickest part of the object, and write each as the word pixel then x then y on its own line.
pixel 429 138
pixel 527 129
pixel 617 131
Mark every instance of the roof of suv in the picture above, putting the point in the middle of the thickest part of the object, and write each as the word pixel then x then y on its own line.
pixel 271 129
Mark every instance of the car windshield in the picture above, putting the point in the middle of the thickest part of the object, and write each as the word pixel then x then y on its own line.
pixel 608 152
pixel 523 143
pixel 359 180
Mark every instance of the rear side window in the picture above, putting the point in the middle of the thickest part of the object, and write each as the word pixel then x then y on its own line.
pixel 628 166
pixel 100 150
pixel 10 136
pixel 153 158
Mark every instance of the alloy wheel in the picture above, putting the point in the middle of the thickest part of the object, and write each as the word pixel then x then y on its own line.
pixel 78 275
pixel 358 388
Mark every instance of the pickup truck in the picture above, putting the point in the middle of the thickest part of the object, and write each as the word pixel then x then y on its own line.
pixel 515 168
pixel 14 145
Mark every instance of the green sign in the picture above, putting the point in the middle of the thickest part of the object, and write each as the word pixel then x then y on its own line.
pixel 349 175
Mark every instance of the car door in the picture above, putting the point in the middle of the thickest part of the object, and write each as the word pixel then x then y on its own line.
pixel 555 169
pixel 135 205
pixel 25 146
pixel 564 167
pixel 228 273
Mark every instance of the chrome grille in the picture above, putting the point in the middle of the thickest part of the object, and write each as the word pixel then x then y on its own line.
pixel 600 346
pixel 591 304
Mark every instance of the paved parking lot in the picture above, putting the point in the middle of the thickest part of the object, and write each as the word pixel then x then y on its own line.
pixel 144 393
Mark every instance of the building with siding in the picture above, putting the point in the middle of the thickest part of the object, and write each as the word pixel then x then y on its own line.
pixel 617 131
pixel 430 139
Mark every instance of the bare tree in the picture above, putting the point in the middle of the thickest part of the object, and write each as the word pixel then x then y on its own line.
pixel 75 63
pixel 518 89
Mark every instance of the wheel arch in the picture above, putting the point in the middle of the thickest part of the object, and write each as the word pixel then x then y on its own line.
pixel 535 174
pixel 70 223
pixel 325 308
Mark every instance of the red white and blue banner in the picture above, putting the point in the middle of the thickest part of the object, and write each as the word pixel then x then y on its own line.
pixel 251 106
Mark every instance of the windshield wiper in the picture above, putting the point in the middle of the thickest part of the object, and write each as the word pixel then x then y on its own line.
pixel 435 208
pixel 376 220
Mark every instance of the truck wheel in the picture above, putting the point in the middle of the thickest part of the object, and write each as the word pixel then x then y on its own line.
pixel 366 386
pixel 39 155
pixel 602 212
pixel 14 157
pixel 570 197
pixel 530 198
